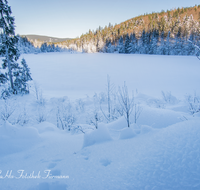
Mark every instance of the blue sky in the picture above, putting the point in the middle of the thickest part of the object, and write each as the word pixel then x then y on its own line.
pixel 64 18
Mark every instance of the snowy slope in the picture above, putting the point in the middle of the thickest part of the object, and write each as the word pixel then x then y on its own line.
pixel 160 152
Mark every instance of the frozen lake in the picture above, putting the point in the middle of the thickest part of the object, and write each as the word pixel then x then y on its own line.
pixel 78 75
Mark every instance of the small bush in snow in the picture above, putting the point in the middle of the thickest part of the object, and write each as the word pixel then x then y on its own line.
pixel 126 102
pixel 193 103
pixel 169 98
pixel 7 109
pixel 109 98
pixel 94 117
pixel 40 116
pixel 23 117
pixel 38 94
pixel 166 96
pixel 80 106
pixel 65 115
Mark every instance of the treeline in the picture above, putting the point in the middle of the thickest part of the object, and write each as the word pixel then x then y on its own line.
pixel 25 46
pixel 157 33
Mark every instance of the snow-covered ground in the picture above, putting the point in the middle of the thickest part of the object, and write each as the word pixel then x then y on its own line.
pixel 160 152
pixel 78 75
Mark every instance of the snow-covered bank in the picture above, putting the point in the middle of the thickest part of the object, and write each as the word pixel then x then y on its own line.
pixel 160 151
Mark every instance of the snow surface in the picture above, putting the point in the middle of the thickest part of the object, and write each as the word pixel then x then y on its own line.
pixel 78 75
pixel 160 152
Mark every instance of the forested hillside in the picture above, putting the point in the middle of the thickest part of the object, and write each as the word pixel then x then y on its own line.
pixel 166 32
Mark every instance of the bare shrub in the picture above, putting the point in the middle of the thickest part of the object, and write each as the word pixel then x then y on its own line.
pixel 7 109
pixel 126 102
pixel 193 103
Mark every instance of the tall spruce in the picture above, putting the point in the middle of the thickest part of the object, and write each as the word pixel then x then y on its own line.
pixel 8 46
pixel 128 48
pixel 121 45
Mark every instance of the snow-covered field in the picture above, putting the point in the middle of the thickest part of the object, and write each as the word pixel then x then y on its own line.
pixel 161 151
pixel 78 75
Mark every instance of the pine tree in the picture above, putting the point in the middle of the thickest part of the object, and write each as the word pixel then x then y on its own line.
pixel 128 48
pixel 153 43
pixel 144 43
pixel 44 47
pixel 134 44
pixel 178 44
pixel 168 45
pixel 9 41
pixel 9 50
pixel 121 45
pixel 161 48
pixel 22 76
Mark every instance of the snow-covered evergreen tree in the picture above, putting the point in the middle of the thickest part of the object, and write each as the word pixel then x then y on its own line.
pixel 22 76
pixel 25 46
pixel 168 45
pixel 44 48
pixel 100 44
pixel 127 46
pixel 178 47
pixel 134 44
pixel 9 48
pixel 144 43
pixel 153 42
pixel 9 40
pixel 121 45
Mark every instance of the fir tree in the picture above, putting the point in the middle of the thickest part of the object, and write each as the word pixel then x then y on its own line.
pixel 121 45
pixel 134 44
pixel 9 41
pixel 10 52
pixel 153 42
pixel 168 45
pixel 44 47
pixel 128 48
pixel 22 76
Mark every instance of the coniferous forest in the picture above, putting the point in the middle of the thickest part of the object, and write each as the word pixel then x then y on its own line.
pixel 171 32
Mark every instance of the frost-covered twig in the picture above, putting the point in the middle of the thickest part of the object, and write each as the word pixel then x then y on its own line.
pixel 126 102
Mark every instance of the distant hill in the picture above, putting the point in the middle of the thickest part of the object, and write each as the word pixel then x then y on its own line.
pixel 177 23
pixel 45 38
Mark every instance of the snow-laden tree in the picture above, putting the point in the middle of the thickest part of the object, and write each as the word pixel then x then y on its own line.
pixel 9 48
pixel 8 39
pixel 134 44
pixel 25 46
pixel 100 44
pixel 121 45
pixel 153 42
pixel 127 46
pixel 22 76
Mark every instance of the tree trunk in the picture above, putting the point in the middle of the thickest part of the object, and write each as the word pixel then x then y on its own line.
pixel 9 70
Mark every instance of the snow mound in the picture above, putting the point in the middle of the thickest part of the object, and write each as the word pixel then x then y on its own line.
pixel 170 156
pixel 99 135
pixel 145 129
pixel 46 127
pixel 127 133
pixel 158 118
pixel 136 128
pixel 118 124
pixel 17 138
